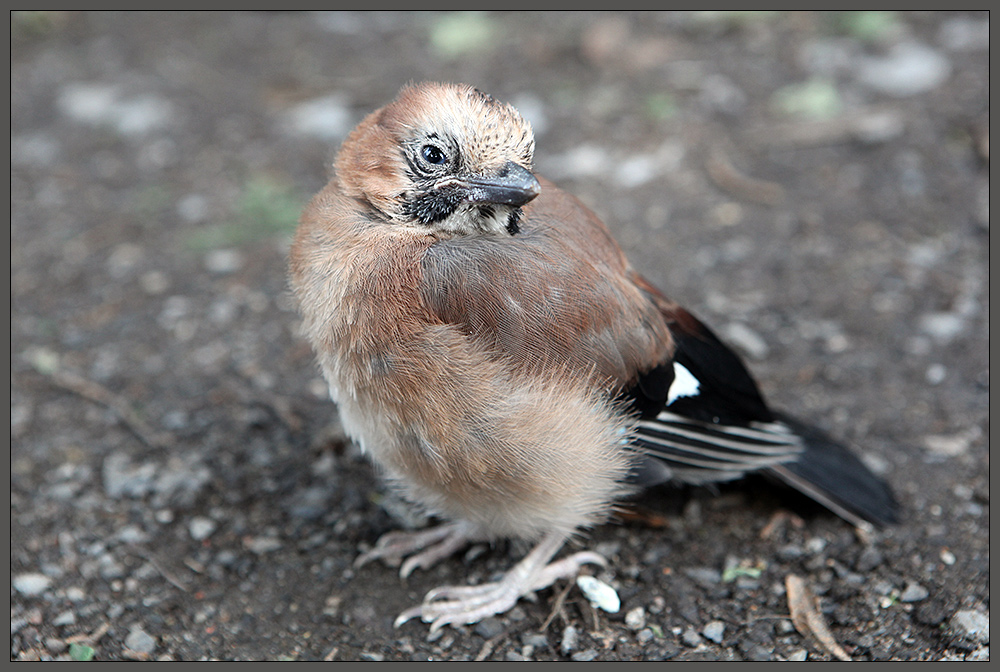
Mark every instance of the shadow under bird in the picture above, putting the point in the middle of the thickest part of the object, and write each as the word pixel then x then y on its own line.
pixel 488 344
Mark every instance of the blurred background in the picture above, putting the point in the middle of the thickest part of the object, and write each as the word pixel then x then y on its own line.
pixel 815 186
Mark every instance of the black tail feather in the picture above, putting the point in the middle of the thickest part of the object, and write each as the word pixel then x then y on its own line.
pixel 832 475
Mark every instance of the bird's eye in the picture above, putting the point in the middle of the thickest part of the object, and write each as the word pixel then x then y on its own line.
pixel 432 154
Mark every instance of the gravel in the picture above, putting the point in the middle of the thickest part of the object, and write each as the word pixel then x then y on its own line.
pixel 180 488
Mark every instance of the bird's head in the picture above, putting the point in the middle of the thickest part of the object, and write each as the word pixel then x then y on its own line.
pixel 446 158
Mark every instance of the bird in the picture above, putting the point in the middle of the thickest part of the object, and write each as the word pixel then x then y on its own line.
pixel 488 344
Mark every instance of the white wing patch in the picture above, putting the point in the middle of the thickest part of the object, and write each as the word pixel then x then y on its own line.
pixel 684 385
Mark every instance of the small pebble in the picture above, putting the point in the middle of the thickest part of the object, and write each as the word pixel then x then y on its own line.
pixel 75 594
pixel 816 545
pixel 914 592
pixel 869 559
pixel 488 628
pixel 635 619
pixel 936 373
pixel 757 652
pixel 55 645
pixel 706 577
pixel 790 552
pixel 104 105
pixel 223 261
pixel 262 545
pixel 65 618
pixel 982 654
pixel 691 637
pixel 109 567
pixel 970 626
pixel 31 583
pixel 600 594
pixel 569 640
pixel 714 631
pixel 535 640
pixel 201 528
pixel 584 656
pixel 882 587
pixel 948 445
pixel 124 479
pixel 193 208
pixel 140 641
pixel 965 34
pixel 908 69
pixel 963 491
pixel 132 534
pixel 784 627
pixel 747 340
pixel 326 118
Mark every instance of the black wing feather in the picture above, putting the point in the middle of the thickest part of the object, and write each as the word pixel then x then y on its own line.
pixel 728 395
pixel 726 430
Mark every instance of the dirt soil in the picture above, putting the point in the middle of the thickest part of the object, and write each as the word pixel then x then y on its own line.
pixel 815 187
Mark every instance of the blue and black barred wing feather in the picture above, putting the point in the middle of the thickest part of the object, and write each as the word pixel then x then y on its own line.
pixel 703 419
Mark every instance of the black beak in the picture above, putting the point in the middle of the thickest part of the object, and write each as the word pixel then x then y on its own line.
pixel 513 185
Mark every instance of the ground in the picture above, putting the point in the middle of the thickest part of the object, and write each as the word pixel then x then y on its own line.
pixel 813 186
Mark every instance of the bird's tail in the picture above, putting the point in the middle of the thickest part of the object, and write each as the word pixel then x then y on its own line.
pixel 677 448
pixel 832 475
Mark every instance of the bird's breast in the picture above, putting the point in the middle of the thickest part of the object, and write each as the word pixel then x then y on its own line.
pixel 465 432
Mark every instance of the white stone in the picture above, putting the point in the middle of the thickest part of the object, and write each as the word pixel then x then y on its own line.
pixel 31 583
pixel 600 594
pixel 908 69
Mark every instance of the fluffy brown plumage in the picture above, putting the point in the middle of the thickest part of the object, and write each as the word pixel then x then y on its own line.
pixel 488 344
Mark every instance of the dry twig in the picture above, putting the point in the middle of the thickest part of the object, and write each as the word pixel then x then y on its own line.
pixel 807 619
pixel 732 181
pixel 99 394
pixel 557 607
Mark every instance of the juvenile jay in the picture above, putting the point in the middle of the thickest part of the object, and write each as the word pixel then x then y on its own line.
pixel 488 345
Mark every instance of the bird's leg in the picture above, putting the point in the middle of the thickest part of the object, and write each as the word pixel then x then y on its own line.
pixel 470 604
pixel 424 547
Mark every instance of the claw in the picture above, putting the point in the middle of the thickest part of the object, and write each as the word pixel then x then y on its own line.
pixel 447 605
pixel 410 613
pixel 425 547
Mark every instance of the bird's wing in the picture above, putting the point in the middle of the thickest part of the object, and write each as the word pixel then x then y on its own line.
pixel 703 419
pixel 701 413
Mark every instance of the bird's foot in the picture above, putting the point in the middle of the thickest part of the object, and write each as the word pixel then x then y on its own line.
pixel 470 604
pixel 424 547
